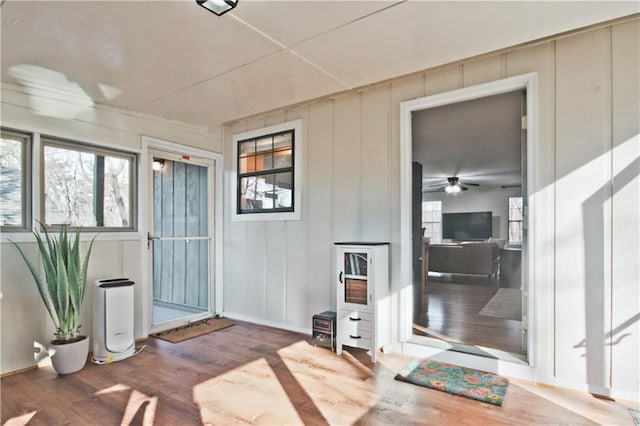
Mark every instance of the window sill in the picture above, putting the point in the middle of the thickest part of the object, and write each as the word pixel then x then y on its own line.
pixel 27 237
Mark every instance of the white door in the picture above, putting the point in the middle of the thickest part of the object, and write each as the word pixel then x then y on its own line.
pixel 180 237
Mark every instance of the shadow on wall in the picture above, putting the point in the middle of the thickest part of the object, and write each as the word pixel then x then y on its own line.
pixel 596 337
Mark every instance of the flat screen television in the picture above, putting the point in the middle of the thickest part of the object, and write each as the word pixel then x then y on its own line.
pixel 467 226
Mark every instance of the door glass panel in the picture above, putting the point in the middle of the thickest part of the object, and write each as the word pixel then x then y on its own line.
pixel 355 288
pixel 180 274
pixel 182 241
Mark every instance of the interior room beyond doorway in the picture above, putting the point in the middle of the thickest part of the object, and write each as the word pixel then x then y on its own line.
pixel 468 224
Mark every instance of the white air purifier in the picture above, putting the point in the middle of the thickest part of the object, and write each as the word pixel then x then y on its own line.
pixel 113 310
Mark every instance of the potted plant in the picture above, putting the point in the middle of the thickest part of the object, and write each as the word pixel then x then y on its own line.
pixel 62 292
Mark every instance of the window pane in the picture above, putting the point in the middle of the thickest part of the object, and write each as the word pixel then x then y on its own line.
pixel 282 158
pixel 88 189
pixel 266 192
pixel 284 185
pixel 515 232
pixel 431 220
pixel 116 193
pixel 282 141
pixel 252 193
pixel 68 187
pixel 248 164
pixel 515 208
pixel 247 147
pixel 264 144
pixel 11 151
pixel 264 161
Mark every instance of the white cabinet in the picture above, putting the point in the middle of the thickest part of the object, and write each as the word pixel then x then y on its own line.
pixel 362 281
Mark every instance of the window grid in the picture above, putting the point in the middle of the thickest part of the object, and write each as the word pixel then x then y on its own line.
pixel 265 180
pixel 516 218
pixel 432 220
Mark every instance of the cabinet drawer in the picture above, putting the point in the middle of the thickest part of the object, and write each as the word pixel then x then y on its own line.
pixel 354 315
pixel 357 343
pixel 354 330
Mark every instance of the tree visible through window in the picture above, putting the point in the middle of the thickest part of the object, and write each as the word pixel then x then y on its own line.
pixel 87 187
pixel 14 181
pixel 515 220
pixel 432 219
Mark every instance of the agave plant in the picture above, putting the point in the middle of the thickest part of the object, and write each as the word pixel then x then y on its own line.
pixel 63 289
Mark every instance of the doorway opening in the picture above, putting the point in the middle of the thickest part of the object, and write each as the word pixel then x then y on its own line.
pixel 465 232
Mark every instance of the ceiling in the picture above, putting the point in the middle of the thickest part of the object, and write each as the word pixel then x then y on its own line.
pixel 176 60
pixel 477 141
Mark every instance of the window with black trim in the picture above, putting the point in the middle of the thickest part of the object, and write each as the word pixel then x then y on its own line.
pixel 15 181
pixel 87 186
pixel 266 173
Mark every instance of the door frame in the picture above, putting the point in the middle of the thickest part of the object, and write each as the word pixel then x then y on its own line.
pixel 527 82
pixel 215 217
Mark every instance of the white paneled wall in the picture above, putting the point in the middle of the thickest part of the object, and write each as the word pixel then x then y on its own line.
pixel 583 173
pixel 623 340
pixel 23 318
pixel 585 192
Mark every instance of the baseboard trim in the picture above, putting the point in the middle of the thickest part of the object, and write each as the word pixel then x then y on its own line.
pixel 22 370
pixel 597 391
pixel 260 321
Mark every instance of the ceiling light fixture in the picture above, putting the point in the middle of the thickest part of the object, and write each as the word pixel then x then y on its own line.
pixel 452 189
pixel 158 164
pixel 219 7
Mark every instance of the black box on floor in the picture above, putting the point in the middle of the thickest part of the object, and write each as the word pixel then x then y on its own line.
pixel 324 329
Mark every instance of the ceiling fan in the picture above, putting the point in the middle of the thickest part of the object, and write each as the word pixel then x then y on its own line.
pixel 453 186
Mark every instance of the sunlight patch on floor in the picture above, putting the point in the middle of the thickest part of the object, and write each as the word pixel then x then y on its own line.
pixel 115 388
pixel 600 410
pixel 344 398
pixel 139 401
pixel 249 394
pixel 20 420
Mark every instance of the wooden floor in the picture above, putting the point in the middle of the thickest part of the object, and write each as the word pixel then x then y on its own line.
pixel 451 310
pixel 249 374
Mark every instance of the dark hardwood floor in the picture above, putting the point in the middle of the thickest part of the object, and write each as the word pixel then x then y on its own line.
pixel 451 308
pixel 249 374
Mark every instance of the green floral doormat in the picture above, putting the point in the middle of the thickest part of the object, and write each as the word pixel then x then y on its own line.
pixel 467 382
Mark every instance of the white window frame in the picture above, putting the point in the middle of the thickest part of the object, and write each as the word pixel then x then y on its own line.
pixel 26 186
pixel 296 214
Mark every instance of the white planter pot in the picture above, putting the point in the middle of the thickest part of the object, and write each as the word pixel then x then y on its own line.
pixel 70 357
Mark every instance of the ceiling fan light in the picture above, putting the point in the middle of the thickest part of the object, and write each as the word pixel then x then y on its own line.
pixel 219 7
pixel 452 189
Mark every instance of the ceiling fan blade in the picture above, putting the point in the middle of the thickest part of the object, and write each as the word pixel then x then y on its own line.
pixel 470 184
pixel 517 185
